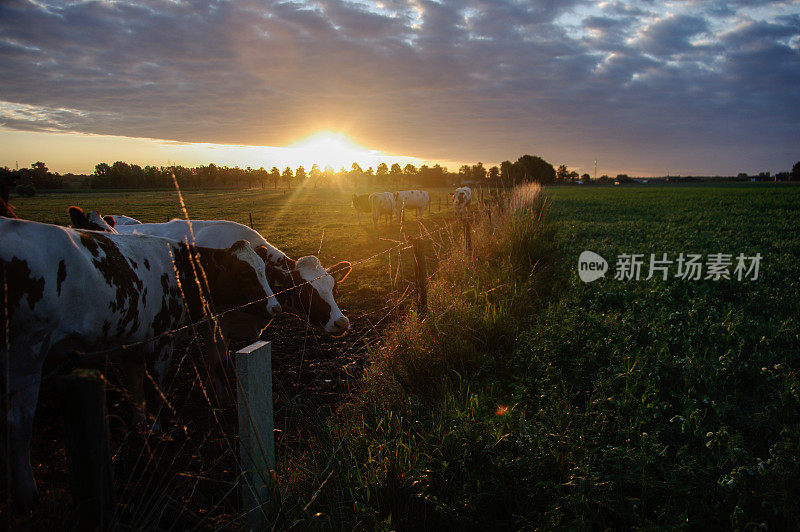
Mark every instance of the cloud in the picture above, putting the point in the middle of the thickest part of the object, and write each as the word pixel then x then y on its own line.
pixel 456 80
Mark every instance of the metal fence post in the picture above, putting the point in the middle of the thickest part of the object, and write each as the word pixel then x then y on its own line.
pixel 256 438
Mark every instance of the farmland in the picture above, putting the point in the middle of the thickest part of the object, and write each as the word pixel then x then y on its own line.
pixel 540 401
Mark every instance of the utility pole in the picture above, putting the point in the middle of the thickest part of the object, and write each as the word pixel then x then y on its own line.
pixel 595 168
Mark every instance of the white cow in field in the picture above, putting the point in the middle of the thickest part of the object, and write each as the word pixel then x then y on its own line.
pixel 313 301
pixel 462 198
pixel 67 290
pixel 382 204
pixel 117 219
pixel 418 200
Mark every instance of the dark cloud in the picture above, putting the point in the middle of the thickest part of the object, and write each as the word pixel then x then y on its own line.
pixel 638 84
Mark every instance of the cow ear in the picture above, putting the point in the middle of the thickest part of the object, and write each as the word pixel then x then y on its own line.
pixel 340 271
pixel 110 220
pixel 452 194
pixel 77 217
pixel 262 252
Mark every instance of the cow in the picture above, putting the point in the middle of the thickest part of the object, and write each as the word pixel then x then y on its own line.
pixel 117 219
pixel 381 204
pixel 462 198
pixel 92 221
pixel 304 288
pixel 419 200
pixel 361 205
pixel 67 290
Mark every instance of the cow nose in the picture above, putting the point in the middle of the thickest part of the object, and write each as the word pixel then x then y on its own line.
pixel 274 310
pixel 342 323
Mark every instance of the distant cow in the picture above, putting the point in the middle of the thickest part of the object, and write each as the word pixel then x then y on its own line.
pixel 116 219
pixel 361 205
pixel 418 200
pixel 381 204
pixel 68 290
pixel 92 221
pixel 462 198
pixel 313 301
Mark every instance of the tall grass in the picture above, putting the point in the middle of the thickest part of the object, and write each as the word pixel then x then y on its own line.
pixel 390 459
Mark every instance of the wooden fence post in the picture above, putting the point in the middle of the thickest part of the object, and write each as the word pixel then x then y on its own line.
pixel 83 407
pixel 251 221
pixel 256 438
pixel 440 205
pixel 420 274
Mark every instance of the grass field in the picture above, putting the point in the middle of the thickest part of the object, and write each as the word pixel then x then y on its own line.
pixel 309 222
pixel 541 401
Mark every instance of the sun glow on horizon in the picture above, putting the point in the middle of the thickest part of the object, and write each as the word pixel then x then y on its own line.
pixel 80 152
pixel 327 148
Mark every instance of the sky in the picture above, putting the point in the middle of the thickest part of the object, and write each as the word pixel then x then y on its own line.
pixel 642 87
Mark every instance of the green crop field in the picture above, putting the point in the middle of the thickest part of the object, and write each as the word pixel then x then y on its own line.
pixel 541 401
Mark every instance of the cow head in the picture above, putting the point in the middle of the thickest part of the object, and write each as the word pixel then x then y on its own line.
pixel 308 290
pixel 236 277
pixel 92 221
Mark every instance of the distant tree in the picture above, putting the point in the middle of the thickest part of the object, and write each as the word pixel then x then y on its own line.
pixel 535 169
pixel 287 176
pixel 300 175
pixel 506 169
pixel 464 172
pixel 562 173
pixel 328 174
pixel 796 172
pixel 410 170
pixel 39 167
pixel 494 173
pixel 382 173
pixel 478 172
pixel 585 177
pixel 742 176
pixel 274 176
pixel 395 173
pixel 315 175
pixel 102 170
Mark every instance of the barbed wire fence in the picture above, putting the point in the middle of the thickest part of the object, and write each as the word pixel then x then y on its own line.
pixel 144 480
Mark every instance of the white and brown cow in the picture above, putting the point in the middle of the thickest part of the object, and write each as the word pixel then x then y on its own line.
pixel 462 197
pixel 381 204
pixel 117 219
pixel 91 221
pixel 418 200
pixel 314 298
pixel 361 204
pixel 66 290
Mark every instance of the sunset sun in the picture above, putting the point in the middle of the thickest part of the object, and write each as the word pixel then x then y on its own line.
pixel 327 148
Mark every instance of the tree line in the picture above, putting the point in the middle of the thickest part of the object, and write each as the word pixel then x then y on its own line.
pixel 122 175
